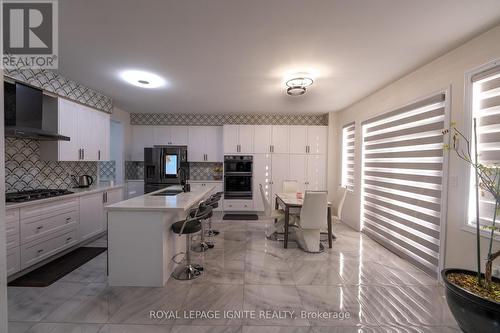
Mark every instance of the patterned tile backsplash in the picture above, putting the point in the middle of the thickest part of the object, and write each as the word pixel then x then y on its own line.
pixel 25 170
pixel 221 119
pixel 107 170
pixel 53 82
pixel 203 170
pixel 197 170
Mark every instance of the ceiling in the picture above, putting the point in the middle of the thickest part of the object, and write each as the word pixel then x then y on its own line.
pixel 232 56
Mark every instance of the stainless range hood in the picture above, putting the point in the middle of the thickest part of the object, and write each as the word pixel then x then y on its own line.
pixel 29 113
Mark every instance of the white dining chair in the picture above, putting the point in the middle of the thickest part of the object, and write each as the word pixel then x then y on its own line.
pixel 290 186
pixel 338 204
pixel 274 214
pixel 312 219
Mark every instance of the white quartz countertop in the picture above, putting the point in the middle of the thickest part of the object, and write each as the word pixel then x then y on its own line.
pixel 148 202
pixel 77 192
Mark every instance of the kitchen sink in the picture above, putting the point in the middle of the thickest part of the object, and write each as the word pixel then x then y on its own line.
pixel 169 193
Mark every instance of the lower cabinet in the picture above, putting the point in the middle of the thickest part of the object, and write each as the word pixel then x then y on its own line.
pixel 91 215
pixel 201 185
pixel 36 251
pixel 238 205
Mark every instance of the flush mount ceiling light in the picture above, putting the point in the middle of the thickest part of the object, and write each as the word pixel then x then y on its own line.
pixel 298 86
pixel 143 79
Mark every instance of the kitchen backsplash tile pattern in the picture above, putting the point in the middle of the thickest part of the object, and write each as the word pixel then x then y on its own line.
pixel 197 170
pixel 221 119
pixel 134 170
pixel 107 170
pixel 204 170
pixel 57 84
pixel 25 170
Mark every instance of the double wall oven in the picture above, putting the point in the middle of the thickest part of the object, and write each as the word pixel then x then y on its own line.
pixel 238 171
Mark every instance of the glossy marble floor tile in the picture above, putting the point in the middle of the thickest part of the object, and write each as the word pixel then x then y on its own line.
pixel 247 272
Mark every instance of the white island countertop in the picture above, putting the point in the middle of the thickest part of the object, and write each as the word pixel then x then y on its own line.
pixel 149 202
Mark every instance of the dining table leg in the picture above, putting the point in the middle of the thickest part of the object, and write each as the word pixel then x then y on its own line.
pixel 287 220
pixel 329 221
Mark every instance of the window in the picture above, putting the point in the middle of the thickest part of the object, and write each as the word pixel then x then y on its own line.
pixel 402 175
pixel 486 110
pixel 348 139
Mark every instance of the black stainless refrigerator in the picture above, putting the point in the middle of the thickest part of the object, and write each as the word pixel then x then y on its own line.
pixel 164 166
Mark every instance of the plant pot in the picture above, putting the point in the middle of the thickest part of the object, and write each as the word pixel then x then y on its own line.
pixel 473 313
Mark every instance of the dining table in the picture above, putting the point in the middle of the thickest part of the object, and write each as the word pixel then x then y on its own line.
pixel 291 200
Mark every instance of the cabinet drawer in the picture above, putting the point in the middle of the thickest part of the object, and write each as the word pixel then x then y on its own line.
pixel 35 229
pixel 13 261
pixel 34 252
pixel 11 216
pixel 238 204
pixel 12 241
pixel 49 208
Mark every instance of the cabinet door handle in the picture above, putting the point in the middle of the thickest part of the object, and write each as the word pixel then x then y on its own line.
pixel 103 197
pixel 39 251
pixel 68 219
pixel 83 153
pixel 68 239
pixel 99 155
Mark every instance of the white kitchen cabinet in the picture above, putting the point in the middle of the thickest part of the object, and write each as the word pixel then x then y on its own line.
pixel 262 167
pixel 270 170
pixel 142 137
pixel 12 234
pixel 113 196
pixel 280 139
pixel 309 171
pixel 238 139
pixel 262 139
pixel 92 220
pixel 88 130
pixel 298 170
pixel 170 135
pixel 308 139
pixel 134 188
pixel 317 139
pixel 205 144
pixel 13 261
pixel 316 173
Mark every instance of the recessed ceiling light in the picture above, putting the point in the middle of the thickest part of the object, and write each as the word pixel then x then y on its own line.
pixel 143 79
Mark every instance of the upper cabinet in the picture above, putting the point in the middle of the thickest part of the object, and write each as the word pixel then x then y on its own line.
pixel 170 135
pixel 205 144
pixel 238 139
pixel 144 136
pixel 271 139
pixel 88 130
pixel 308 139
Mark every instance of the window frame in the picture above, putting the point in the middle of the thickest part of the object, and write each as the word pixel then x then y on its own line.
pixel 343 167
pixel 468 124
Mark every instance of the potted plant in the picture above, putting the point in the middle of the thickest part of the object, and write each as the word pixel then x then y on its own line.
pixel 474 297
pixel 217 175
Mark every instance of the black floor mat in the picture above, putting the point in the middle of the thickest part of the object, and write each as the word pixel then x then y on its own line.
pixel 240 217
pixel 51 272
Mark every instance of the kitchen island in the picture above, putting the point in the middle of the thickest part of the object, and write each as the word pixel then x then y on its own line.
pixel 140 241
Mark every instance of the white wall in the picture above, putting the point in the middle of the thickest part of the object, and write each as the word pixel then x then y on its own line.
pixel 124 118
pixel 3 266
pixel 446 71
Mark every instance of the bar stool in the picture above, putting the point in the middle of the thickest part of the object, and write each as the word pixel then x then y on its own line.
pixel 214 203
pixel 188 270
pixel 202 245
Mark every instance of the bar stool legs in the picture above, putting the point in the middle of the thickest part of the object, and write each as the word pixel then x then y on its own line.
pixel 202 245
pixel 187 270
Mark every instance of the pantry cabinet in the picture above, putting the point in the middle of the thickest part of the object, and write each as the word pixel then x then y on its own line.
pixel 205 144
pixel 271 139
pixel 238 139
pixel 308 139
pixel 270 170
pixel 89 132
pixel 142 137
pixel 309 171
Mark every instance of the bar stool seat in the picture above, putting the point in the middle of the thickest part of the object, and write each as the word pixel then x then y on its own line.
pixel 190 228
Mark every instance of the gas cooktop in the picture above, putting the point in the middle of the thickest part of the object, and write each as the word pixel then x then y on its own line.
pixel 30 195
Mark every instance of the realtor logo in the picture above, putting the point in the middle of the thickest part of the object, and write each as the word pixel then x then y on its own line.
pixel 29 34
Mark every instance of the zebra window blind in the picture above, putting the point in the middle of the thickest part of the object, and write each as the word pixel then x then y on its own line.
pixel 402 180
pixel 486 110
pixel 348 140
